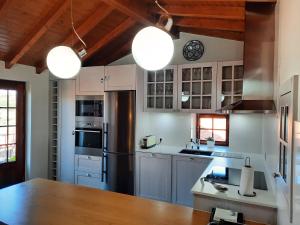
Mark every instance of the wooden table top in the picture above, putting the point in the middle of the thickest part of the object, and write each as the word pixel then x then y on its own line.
pixel 46 202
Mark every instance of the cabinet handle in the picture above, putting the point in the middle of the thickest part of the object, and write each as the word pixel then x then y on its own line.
pixel 191 158
pixel 152 155
pixel 88 175
pixel 102 80
pixel 73 132
pixel 276 175
pixel 89 157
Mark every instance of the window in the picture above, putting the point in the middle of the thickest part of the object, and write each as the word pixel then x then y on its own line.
pixel 213 125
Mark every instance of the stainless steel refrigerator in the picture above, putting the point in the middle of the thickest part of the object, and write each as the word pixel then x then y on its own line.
pixel 119 141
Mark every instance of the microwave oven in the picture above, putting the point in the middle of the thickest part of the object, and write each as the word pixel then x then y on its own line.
pixel 89 106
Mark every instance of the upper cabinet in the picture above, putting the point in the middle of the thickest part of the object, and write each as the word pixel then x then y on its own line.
pixel 90 81
pixel 161 89
pixel 120 77
pixel 230 82
pixel 197 85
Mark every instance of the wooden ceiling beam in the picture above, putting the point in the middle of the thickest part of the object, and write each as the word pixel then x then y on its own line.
pixel 84 28
pixel 238 36
pixel 41 28
pixel 4 5
pixel 128 23
pixel 216 2
pixel 211 24
pixel 198 10
pixel 135 9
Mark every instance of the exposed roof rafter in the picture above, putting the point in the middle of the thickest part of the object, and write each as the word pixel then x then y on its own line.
pixel 41 28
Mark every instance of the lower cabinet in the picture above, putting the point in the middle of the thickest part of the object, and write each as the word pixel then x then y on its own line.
pixel 153 178
pixel 168 178
pixel 88 171
pixel 185 172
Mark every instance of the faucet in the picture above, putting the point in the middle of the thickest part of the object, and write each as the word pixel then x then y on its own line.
pixel 196 142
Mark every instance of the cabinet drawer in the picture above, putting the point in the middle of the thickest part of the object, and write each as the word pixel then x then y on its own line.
pixel 88 163
pixel 89 179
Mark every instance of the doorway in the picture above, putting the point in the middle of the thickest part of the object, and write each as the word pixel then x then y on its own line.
pixel 12 132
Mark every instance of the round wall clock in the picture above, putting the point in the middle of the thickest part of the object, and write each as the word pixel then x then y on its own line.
pixel 193 50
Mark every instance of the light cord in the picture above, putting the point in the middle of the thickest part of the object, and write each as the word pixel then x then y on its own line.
pixel 162 8
pixel 72 23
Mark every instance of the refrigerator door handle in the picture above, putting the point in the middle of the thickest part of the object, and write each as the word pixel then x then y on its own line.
pixel 105 149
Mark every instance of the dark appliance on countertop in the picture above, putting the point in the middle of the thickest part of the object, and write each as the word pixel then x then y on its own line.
pixel 232 176
pixel 119 141
pixel 221 216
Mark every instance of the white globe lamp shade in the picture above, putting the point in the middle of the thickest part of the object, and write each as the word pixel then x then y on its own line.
pixel 63 62
pixel 152 48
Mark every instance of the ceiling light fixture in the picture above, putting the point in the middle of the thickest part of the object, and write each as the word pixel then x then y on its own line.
pixel 62 61
pixel 153 47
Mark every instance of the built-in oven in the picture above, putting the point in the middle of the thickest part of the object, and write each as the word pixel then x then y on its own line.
pixel 88 138
pixel 89 106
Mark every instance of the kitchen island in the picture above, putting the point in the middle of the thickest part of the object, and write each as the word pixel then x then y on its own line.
pixel 45 202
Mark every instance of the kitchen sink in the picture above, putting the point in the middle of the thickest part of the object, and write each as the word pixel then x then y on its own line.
pixel 195 152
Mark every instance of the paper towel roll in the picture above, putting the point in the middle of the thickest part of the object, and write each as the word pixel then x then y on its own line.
pixel 247 181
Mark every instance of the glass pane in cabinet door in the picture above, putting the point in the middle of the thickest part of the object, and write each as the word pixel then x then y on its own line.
pixel 206 88
pixel 160 89
pixel 169 102
pixel 151 76
pixel 186 88
pixel 206 102
pixel 204 134
pixel 12 135
pixel 237 98
pixel 159 102
pixel 186 74
pixel 196 74
pixel 169 75
pixel 12 117
pixel 286 124
pixel 160 76
pixel 185 102
pixel 226 100
pixel 238 72
pixel 169 89
pixel 227 72
pixel 207 73
pixel 11 153
pixel 3 98
pixel 282 122
pixel 3 117
pixel 150 102
pixel 196 102
pixel 285 163
pixel 226 87
pixel 238 87
pixel 281 159
pixel 196 88
pixel 3 135
pixel 151 89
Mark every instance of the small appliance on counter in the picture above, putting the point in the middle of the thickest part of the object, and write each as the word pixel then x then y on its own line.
pixel 220 216
pixel 247 180
pixel 148 142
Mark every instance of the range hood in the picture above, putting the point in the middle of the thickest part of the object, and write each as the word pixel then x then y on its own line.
pixel 258 86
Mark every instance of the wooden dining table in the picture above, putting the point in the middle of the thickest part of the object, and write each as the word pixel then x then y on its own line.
pixel 45 202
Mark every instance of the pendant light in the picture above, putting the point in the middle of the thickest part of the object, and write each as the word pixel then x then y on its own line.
pixel 62 61
pixel 153 47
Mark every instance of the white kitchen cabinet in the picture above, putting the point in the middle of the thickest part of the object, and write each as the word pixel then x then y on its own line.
pixel 185 172
pixel 153 178
pixel 160 90
pixel 90 81
pixel 121 77
pixel 88 179
pixel 197 85
pixel 67 121
pixel 229 82
pixel 88 163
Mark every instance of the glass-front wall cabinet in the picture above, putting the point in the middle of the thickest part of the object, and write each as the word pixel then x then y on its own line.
pixel 197 87
pixel 230 82
pixel 161 90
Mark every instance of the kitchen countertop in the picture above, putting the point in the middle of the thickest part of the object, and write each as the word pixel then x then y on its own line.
pixel 46 202
pixel 263 198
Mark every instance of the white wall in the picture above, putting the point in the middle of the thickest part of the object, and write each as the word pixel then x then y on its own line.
pixel 37 93
pixel 215 49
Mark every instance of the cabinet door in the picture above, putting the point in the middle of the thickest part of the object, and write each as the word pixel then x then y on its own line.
pixel 120 77
pixel 67 139
pixel 197 87
pixel 88 163
pixel 90 81
pixel 89 179
pixel 186 171
pixel 230 82
pixel 154 176
pixel 161 90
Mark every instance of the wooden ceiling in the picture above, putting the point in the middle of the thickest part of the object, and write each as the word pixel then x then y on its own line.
pixel 30 28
